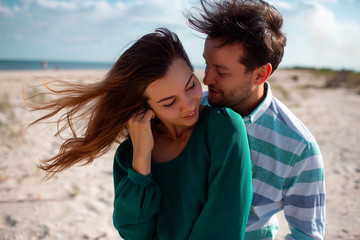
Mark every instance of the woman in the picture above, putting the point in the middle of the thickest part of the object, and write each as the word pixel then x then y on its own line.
pixel 184 170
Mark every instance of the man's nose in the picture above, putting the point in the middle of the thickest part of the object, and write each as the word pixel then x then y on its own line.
pixel 209 77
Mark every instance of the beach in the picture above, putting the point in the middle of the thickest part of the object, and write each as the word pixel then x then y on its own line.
pixel 78 203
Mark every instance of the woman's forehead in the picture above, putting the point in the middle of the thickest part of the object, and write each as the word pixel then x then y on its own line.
pixel 175 80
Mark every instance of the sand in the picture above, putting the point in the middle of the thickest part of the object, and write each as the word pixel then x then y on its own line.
pixel 78 203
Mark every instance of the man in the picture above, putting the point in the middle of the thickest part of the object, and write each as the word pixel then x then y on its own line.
pixel 244 45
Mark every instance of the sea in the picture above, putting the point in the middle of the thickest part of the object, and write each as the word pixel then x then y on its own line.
pixel 9 65
pixel 51 65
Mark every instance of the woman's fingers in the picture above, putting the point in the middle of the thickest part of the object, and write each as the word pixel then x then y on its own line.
pixel 139 128
pixel 148 115
pixel 142 117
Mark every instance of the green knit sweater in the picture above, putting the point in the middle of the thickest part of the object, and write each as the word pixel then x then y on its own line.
pixel 204 193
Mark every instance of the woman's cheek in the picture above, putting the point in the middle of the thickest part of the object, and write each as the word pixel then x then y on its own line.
pixel 166 115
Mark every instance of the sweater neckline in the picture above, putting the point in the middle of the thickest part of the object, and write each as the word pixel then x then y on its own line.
pixel 188 143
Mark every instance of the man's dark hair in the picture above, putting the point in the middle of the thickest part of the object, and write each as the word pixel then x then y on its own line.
pixel 253 23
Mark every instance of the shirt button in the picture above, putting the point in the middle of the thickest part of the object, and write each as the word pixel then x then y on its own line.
pixel 144 181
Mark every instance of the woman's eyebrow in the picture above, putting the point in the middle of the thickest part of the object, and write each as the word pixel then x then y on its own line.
pixel 187 84
pixel 164 99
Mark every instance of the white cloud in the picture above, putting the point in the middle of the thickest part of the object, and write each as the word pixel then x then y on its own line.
pixel 281 4
pixel 25 4
pixel 324 1
pixel 18 37
pixel 316 38
pixel 5 11
pixel 93 6
pixel 61 24
pixel 55 4
pixel 140 12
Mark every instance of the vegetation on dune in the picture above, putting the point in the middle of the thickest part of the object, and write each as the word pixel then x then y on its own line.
pixel 7 118
pixel 336 78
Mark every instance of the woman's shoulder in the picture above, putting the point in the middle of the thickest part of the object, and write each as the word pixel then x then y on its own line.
pixel 222 121
pixel 222 115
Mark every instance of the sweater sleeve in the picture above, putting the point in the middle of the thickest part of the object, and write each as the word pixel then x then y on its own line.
pixel 137 198
pixel 304 200
pixel 226 211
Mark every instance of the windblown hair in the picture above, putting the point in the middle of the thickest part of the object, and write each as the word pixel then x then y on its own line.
pixel 253 23
pixel 100 111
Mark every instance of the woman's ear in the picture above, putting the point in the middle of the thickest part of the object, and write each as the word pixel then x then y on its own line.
pixel 262 73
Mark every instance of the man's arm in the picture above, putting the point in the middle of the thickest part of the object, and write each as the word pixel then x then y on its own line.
pixel 304 200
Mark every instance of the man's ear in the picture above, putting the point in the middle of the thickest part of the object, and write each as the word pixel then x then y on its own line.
pixel 262 73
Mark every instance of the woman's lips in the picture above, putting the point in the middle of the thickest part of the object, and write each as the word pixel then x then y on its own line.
pixel 191 115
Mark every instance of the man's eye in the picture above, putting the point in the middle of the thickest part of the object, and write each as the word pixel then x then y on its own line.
pixel 222 74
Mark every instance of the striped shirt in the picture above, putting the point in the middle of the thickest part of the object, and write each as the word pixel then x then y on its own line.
pixel 288 173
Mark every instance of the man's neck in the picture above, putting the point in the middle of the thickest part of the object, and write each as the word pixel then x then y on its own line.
pixel 246 108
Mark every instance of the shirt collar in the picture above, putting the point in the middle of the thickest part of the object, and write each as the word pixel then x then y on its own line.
pixel 262 107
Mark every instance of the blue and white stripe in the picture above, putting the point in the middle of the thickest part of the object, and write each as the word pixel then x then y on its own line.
pixel 288 173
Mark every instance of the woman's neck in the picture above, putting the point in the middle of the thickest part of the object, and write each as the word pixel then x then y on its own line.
pixel 172 132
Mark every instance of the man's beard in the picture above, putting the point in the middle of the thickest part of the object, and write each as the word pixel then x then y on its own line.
pixel 231 100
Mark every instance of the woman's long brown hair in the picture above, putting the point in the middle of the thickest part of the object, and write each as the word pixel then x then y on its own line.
pixel 97 113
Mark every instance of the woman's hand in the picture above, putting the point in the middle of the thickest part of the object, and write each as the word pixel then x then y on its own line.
pixel 139 128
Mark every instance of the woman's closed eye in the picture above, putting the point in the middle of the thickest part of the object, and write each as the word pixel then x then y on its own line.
pixel 172 100
pixel 170 103
pixel 192 85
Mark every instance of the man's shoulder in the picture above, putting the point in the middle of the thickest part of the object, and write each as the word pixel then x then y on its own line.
pixel 281 136
pixel 283 119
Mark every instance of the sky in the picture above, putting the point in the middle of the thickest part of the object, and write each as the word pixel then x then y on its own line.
pixel 320 33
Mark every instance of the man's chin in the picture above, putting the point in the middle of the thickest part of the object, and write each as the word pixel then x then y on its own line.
pixel 215 103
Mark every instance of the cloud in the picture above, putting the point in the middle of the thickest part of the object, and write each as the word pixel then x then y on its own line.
pixel 105 27
pixel 58 5
pixel 149 11
pixel 281 4
pixel 18 37
pixel 326 1
pixel 5 11
pixel 97 30
pixel 316 38
pixel 90 16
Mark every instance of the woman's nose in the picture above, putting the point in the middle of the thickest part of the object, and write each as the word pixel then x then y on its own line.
pixel 187 105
